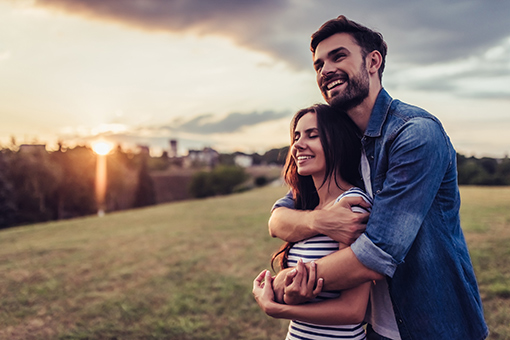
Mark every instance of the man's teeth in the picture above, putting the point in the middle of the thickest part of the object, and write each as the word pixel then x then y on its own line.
pixel 304 157
pixel 334 83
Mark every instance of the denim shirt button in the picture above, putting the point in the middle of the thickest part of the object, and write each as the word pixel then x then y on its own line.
pixel 400 321
pixel 372 157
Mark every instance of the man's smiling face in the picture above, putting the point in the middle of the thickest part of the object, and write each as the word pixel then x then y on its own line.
pixel 342 76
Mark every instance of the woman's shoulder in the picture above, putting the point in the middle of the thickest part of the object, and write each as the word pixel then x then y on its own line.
pixel 355 191
pixel 358 192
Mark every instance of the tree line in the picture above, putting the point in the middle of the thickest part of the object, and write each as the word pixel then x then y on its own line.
pixel 38 186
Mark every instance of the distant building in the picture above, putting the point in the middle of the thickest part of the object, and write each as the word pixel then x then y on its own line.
pixel 144 149
pixel 34 149
pixel 173 148
pixel 206 157
pixel 243 160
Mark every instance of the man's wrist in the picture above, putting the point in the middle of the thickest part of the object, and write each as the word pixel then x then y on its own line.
pixel 311 221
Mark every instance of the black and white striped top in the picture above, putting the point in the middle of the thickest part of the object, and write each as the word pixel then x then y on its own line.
pixel 313 249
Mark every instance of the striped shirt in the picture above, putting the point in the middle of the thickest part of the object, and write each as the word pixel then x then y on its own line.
pixel 313 249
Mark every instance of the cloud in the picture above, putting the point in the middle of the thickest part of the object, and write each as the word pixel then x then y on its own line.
pixel 234 122
pixel 417 32
pixel 482 75
pixel 204 130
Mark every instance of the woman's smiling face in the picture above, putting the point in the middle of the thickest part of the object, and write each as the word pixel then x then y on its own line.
pixel 307 148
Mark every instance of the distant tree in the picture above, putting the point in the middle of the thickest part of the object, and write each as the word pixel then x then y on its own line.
pixel 227 159
pixel 36 180
pixel 489 165
pixel 75 195
pixel 7 203
pixel 159 163
pixel 257 159
pixel 503 170
pixel 121 180
pixel 484 171
pixel 145 193
pixel 276 156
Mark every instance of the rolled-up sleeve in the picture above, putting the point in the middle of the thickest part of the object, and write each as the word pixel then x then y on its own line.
pixel 373 257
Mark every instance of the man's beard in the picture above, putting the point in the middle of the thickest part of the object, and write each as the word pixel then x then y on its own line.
pixel 355 92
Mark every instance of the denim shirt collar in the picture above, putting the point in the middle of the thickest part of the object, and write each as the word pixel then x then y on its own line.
pixel 379 114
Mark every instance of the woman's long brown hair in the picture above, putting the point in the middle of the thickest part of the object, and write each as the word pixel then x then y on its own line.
pixel 340 140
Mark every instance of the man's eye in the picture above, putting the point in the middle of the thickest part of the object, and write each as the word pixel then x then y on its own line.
pixel 339 56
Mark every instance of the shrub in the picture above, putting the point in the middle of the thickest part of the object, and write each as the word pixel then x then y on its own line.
pixel 261 181
pixel 220 181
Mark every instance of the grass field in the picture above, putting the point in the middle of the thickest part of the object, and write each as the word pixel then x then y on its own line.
pixel 184 270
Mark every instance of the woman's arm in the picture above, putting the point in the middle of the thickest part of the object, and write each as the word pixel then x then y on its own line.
pixel 349 308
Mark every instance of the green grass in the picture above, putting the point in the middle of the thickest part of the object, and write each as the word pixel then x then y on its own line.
pixel 184 270
pixel 485 217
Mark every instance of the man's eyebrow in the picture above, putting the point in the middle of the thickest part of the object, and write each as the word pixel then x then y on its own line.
pixel 336 50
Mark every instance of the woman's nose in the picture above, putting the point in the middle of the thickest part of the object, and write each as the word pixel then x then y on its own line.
pixel 299 144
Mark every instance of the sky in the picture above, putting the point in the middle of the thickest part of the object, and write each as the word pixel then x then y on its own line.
pixel 230 74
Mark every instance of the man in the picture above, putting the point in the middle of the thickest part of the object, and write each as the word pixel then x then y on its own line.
pixel 413 243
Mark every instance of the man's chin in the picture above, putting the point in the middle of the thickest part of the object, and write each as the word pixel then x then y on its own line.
pixel 345 104
pixel 339 103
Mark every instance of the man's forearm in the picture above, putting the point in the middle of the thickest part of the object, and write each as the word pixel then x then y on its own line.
pixel 342 270
pixel 291 225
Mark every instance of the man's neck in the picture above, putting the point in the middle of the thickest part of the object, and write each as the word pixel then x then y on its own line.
pixel 360 114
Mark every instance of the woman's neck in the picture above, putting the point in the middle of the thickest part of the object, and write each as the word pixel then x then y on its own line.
pixel 330 190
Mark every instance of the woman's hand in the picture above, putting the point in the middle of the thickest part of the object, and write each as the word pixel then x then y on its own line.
pixel 300 284
pixel 263 292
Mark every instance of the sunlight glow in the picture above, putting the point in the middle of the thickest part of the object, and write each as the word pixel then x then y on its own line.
pixel 102 147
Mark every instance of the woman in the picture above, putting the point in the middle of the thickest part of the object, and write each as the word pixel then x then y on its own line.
pixel 321 167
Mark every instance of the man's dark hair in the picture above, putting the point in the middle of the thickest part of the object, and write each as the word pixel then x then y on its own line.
pixel 366 38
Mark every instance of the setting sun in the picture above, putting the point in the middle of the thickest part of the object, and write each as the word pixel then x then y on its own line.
pixel 102 147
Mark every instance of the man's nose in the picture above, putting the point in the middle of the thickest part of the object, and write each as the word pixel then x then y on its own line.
pixel 327 68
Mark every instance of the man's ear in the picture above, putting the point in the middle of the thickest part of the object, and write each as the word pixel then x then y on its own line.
pixel 373 61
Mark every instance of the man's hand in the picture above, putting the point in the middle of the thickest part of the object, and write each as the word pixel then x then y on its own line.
pixel 339 222
pixel 300 284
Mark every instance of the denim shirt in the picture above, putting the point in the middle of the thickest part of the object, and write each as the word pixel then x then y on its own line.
pixel 413 235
